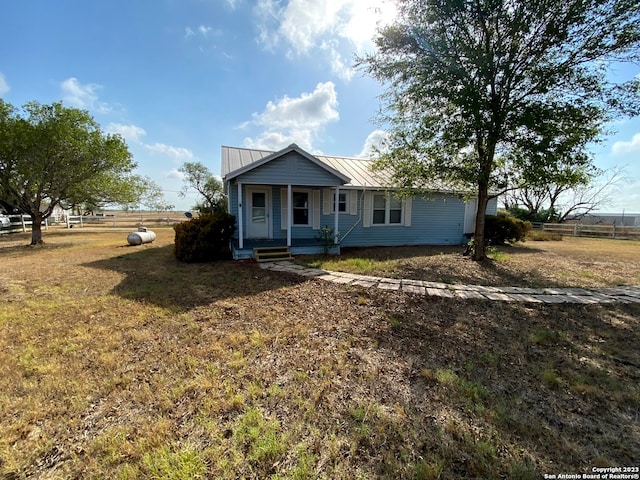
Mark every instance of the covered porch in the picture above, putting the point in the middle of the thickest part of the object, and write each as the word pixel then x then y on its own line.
pixel 299 246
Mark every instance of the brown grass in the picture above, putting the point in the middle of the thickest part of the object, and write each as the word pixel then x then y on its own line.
pixel 573 262
pixel 119 362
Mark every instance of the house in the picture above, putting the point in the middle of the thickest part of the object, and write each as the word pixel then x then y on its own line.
pixel 284 198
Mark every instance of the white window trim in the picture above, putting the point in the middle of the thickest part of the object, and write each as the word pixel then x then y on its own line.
pixel 387 209
pixel 310 206
pixel 347 203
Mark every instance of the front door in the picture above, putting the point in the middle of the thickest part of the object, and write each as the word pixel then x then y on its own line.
pixel 258 212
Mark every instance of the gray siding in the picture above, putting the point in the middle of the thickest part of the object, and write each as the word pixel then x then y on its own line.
pixel 291 168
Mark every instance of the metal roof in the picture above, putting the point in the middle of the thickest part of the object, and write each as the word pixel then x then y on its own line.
pixel 358 170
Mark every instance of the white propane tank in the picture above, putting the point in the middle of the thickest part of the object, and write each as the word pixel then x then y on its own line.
pixel 141 236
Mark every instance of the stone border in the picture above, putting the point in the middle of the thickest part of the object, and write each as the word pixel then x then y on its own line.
pixel 436 289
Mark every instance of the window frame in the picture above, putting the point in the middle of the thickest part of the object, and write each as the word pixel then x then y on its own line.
pixel 309 208
pixel 387 210
pixel 346 202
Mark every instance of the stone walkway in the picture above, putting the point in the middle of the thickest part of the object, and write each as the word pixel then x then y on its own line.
pixel 506 294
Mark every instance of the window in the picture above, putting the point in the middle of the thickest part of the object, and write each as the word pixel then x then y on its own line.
pixel 342 202
pixel 300 208
pixel 387 210
pixel 258 207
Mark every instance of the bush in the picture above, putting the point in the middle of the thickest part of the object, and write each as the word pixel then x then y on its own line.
pixel 542 236
pixel 503 228
pixel 543 216
pixel 205 238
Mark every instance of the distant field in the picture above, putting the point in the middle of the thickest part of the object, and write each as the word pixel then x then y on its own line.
pixel 119 362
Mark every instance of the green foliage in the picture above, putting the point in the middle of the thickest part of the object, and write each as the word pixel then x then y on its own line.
pixel 149 194
pixel 167 464
pixel 261 439
pixel 198 177
pixel 502 229
pixel 205 238
pixel 542 236
pixel 487 97
pixel 326 238
pixel 51 155
pixel 545 215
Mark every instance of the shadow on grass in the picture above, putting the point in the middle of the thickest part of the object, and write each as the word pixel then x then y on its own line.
pixel 528 389
pixel 155 276
pixel 488 272
pixel 445 264
pixel 410 251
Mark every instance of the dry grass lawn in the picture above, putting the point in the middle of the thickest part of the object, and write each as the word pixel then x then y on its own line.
pixel 572 262
pixel 119 362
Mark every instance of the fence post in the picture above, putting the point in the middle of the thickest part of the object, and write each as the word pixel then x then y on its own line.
pixel 24 226
pixel 46 224
pixel 613 230
pixel 575 229
pixel 81 225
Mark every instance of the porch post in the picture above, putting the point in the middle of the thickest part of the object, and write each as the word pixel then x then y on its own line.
pixel 337 212
pixel 289 210
pixel 240 222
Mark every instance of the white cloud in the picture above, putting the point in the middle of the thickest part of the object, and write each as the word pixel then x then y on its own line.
pixel 295 120
pixel 622 147
pixel 83 95
pixel 131 133
pixel 330 29
pixel 177 153
pixel 375 139
pixel 175 173
pixel 203 31
pixel 4 85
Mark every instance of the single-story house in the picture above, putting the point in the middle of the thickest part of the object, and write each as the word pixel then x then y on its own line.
pixel 285 198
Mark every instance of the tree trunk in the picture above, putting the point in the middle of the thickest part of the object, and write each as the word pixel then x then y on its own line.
pixel 478 236
pixel 36 229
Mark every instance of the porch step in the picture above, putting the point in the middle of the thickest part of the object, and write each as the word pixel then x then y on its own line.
pixel 271 254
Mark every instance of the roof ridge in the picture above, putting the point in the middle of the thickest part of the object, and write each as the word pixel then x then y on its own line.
pixel 349 157
pixel 250 149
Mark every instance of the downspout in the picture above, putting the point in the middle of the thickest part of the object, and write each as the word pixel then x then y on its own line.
pixel 336 209
pixel 289 213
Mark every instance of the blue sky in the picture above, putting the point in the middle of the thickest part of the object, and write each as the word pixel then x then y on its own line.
pixel 180 78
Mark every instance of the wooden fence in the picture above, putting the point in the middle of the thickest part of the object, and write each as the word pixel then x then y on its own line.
pixel 19 223
pixel 598 231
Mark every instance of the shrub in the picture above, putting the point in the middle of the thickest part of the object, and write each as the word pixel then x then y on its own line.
pixel 205 238
pixel 542 236
pixel 503 228
pixel 326 239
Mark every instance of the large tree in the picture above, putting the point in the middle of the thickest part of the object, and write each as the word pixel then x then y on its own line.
pixel 485 94
pixel 51 155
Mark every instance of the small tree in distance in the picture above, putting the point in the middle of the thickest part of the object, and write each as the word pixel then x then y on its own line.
pixel 198 177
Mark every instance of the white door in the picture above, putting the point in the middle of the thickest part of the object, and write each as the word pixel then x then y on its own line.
pixel 258 212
